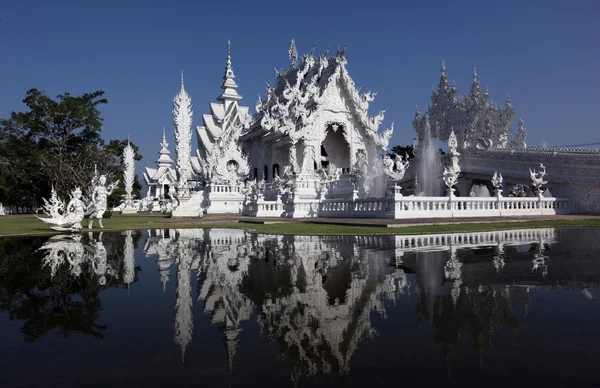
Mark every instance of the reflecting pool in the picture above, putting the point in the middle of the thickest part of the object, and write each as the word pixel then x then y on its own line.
pixel 231 308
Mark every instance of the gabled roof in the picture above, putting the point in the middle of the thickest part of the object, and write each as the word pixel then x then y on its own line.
pixel 298 94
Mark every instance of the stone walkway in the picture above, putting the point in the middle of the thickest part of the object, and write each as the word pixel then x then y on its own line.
pixel 390 223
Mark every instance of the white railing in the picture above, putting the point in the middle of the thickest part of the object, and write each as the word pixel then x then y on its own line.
pixel 263 208
pixel 442 207
pixel 397 207
pixel 224 189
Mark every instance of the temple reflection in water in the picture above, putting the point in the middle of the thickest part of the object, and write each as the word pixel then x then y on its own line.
pixel 315 297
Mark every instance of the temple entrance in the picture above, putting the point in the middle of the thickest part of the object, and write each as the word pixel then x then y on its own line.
pixel 335 150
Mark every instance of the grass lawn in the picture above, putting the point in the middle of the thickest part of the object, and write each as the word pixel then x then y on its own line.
pixel 29 225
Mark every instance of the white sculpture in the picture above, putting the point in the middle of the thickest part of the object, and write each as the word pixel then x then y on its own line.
pixel 182 120
pixel 497 180
pixel 2 211
pixel 293 52
pixel 129 177
pixel 450 175
pixel 99 198
pixel 70 219
pixel 537 178
pixel 395 168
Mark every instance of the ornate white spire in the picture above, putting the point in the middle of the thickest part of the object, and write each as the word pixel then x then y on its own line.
pixel 128 172
pixel 444 85
pixel 475 96
pixel 182 120
pixel 293 52
pixel 229 86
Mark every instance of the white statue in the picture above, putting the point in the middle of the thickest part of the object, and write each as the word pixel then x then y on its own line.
pixel 73 214
pixel 497 180
pixel 395 170
pixel 99 200
pixel 2 211
pixel 537 178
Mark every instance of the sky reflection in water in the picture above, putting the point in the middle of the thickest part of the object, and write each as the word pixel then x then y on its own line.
pixel 219 307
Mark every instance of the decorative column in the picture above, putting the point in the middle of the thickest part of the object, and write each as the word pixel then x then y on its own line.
pixel 497 183
pixel 451 172
pixel 182 120
pixel 128 178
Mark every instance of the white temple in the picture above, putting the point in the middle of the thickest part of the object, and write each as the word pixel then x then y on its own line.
pixel 311 149
pixel 159 180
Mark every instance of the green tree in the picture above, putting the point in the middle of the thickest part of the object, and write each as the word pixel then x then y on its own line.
pixel 56 142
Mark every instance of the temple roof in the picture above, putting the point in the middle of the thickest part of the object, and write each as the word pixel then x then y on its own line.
pixel 161 175
pixel 222 125
pixel 229 86
pixel 164 160
pixel 297 96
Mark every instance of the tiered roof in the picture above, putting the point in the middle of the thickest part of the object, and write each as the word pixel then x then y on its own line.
pixel 165 172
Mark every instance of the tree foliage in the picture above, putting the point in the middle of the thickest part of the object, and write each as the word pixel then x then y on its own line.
pixel 403 151
pixel 56 142
pixel 64 304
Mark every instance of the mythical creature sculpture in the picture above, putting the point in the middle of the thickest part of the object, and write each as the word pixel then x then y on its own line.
pixel 537 178
pixel 99 200
pixel 450 177
pixel 73 214
pixel 497 180
pixel 395 170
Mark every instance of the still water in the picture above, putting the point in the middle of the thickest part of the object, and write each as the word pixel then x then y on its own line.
pixel 229 308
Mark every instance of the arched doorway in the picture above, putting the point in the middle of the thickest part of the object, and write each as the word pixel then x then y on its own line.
pixel 335 150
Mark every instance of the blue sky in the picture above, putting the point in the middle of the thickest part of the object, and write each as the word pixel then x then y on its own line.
pixel 546 54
